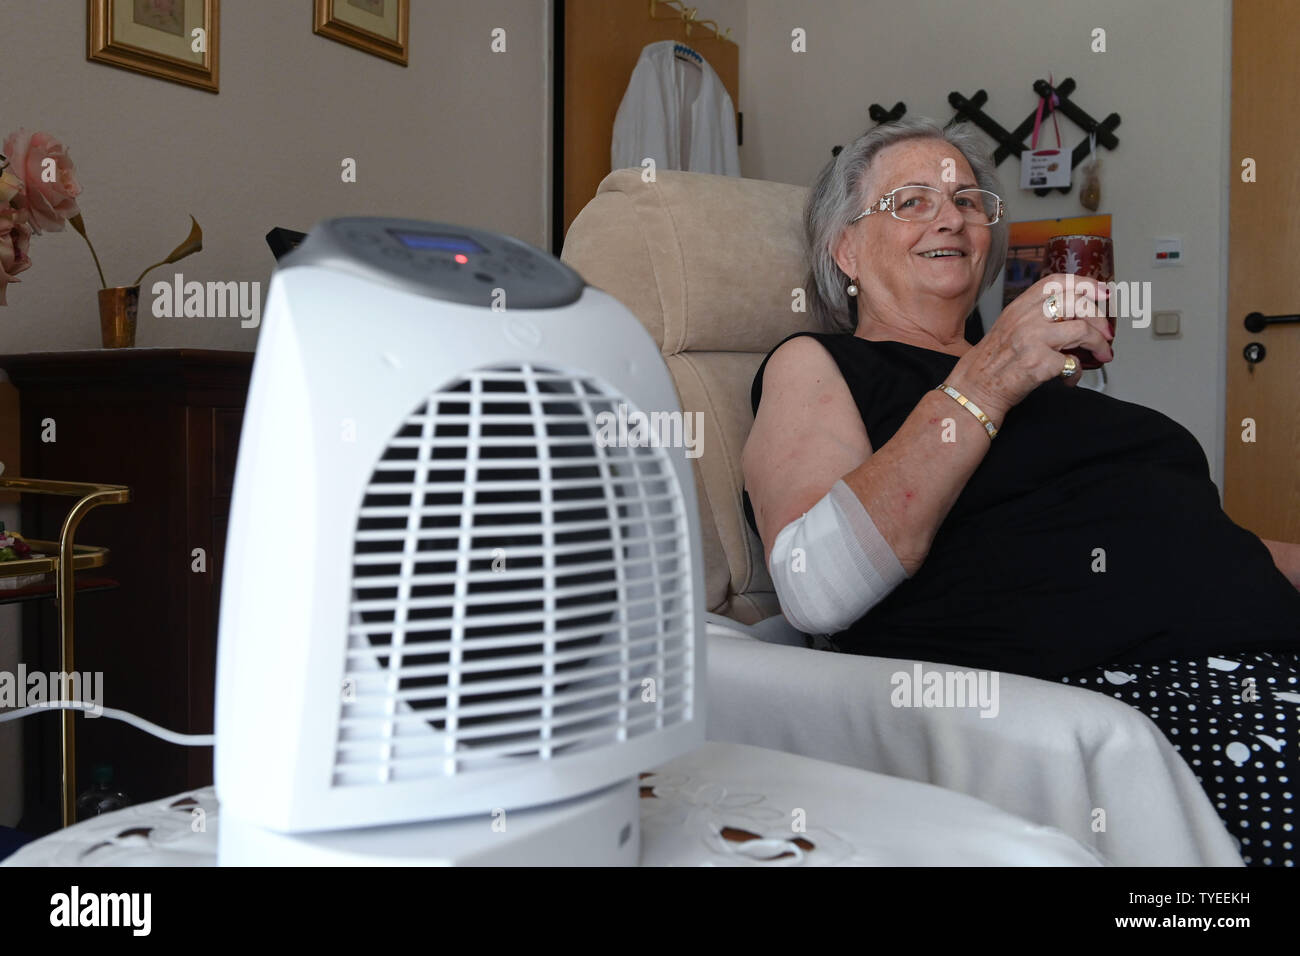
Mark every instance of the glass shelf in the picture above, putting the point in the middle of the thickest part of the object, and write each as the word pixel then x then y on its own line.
pixel 85 584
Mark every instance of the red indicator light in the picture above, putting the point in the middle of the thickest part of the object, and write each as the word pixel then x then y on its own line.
pixel 461 258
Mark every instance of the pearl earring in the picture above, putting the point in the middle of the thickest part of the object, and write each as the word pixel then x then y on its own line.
pixel 852 289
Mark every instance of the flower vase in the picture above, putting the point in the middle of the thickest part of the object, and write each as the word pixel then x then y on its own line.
pixel 117 311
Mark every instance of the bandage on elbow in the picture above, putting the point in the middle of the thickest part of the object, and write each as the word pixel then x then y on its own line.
pixel 832 565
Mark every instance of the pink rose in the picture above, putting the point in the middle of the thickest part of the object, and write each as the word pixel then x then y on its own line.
pixel 50 203
pixel 15 233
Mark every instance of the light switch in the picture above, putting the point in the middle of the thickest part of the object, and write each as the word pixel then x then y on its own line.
pixel 1168 251
pixel 1166 323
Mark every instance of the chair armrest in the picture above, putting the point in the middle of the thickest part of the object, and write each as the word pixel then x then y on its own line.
pixel 1053 754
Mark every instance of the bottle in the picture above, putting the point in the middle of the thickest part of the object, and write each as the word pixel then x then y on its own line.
pixel 101 797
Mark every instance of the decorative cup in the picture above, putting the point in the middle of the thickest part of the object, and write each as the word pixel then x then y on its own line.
pixel 117 311
pixel 1091 256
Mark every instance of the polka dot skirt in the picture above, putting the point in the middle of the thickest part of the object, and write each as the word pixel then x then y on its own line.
pixel 1234 720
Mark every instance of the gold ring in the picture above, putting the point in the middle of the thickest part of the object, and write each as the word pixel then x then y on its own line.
pixel 1071 366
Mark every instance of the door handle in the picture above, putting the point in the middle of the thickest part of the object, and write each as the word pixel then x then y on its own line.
pixel 1258 321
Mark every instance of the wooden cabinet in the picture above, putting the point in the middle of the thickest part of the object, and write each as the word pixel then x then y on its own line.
pixel 165 422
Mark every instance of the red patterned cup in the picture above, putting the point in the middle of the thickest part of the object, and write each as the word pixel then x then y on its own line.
pixel 1091 256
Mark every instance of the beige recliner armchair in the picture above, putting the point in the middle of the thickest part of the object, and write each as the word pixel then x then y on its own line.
pixel 708 264
pixel 711 265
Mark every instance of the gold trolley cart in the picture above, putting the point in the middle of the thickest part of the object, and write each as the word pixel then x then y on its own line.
pixel 63 559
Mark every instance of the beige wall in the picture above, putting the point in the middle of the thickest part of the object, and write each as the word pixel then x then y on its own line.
pixel 461 134
pixel 1165 72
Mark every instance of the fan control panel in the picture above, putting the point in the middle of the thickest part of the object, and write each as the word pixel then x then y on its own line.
pixel 446 262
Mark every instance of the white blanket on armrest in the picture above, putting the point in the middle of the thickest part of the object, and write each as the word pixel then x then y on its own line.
pixel 1054 754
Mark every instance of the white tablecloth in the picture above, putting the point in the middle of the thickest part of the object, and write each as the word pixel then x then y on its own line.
pixel 720 805
pixel 1055 754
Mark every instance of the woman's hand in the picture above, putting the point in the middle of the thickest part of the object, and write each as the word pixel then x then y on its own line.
pixel 1025 347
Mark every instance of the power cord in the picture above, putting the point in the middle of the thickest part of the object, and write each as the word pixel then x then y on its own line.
pixel 171 736
pixel 208 740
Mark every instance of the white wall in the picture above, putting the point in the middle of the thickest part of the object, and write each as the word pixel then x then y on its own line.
pixel 1165 71
pixel 461 134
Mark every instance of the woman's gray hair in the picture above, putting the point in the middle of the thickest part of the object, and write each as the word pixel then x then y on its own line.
pixel 837 197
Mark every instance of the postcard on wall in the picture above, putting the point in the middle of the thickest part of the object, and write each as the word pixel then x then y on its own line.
pixel 1027 248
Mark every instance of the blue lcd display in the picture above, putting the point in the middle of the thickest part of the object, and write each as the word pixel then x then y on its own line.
pixel 437 241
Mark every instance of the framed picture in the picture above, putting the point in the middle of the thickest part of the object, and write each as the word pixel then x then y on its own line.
pixel 381 27
pixel 173 40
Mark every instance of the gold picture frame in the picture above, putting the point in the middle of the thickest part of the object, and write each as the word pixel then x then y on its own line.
pixel 380 27
pixel 156 37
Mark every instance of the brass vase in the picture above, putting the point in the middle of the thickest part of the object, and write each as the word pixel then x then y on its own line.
pixel 117 310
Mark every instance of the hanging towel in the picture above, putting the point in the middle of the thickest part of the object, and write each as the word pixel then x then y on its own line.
pixel 676 112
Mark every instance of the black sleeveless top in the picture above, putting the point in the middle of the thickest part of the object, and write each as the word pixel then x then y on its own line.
pixel 1014 581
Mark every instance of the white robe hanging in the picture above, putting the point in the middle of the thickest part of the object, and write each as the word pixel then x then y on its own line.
pixel 677 113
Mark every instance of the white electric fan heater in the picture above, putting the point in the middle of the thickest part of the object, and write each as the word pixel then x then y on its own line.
pixel 459 613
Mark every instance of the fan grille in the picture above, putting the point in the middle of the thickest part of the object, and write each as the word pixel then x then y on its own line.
pixel 519 590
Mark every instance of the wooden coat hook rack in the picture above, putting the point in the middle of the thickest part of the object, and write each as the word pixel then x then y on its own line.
pixel 1013 143
pixel 879 115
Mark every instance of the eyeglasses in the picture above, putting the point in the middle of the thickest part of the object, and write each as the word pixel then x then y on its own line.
pixel 979 207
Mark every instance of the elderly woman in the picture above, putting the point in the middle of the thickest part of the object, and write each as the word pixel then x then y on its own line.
pixel 921 497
